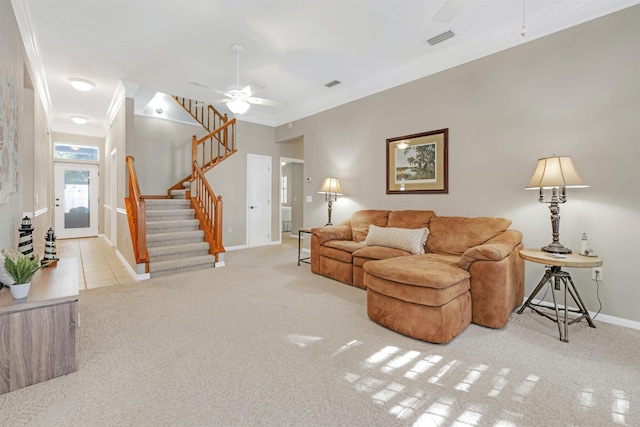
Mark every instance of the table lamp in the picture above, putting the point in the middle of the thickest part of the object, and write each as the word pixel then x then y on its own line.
pixel 331 189
pixel 555 173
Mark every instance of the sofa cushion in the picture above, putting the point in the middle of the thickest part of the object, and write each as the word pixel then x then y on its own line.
pixel 361 220
pixel 406 239
pixel 369 253
pixel 416 279
pixel 340 250
pixel 410 219
pixel 454 235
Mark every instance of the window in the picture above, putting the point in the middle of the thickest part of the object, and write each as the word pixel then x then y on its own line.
pixel 75 152
pixel 283 190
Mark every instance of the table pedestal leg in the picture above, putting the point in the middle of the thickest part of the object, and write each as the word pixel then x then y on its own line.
pixel 555 277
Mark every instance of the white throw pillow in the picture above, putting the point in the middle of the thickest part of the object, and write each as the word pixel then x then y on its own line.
pixel 408 239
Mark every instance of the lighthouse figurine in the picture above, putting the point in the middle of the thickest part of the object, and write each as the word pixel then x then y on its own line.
pixel 25 244
pixel 50 257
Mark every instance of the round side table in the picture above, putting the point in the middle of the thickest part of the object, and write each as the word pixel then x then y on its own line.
pixel 556 278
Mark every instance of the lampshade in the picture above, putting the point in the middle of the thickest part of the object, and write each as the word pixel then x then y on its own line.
pixel 238 106
pixel 555 171
pixel 331 185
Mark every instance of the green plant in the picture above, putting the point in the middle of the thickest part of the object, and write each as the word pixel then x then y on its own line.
pixel 20 267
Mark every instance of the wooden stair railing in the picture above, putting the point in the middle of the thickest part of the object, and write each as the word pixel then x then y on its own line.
pixel 208 210
pixel 210 118
pixel 210 150
pixel 136 214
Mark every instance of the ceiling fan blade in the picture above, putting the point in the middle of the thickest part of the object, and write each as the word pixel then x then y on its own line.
pixel 251 88
pixel 265 102
pixel 204 86
pixel 449 10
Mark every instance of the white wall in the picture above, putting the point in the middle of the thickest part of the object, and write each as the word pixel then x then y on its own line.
pixel 573 93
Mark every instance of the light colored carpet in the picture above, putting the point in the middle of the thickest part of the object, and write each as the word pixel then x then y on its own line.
pixel 265 342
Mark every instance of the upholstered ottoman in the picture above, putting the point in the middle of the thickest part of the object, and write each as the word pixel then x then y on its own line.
pixel 415 296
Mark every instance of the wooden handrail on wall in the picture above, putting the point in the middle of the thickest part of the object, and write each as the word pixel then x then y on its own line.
pixel 208 210
pixel 136 214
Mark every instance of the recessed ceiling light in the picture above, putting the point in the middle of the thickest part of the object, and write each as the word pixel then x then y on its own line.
pixel 82 84
pixel 79 120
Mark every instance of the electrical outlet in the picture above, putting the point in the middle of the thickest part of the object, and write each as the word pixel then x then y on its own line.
pixel 597 273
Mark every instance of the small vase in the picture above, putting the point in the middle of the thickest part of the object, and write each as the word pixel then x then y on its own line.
pixel 20 291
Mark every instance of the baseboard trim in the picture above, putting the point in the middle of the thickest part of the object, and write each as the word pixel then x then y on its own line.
pixel 137 277
pixel 235 248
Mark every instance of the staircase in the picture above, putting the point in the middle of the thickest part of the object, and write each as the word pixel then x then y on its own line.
pixel 182 231
pixel 174 241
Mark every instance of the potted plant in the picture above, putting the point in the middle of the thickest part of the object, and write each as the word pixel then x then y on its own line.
pixel 21 268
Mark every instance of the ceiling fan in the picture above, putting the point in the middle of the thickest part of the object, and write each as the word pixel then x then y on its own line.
pixel 238 98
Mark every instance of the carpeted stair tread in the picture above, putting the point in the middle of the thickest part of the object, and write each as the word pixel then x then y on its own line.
pixel 179 194
pixel 161 268
pixel 160 204
pixel 172 226
pixel 170 214
pixel 174 238
pixel 174 241
pixel 165 253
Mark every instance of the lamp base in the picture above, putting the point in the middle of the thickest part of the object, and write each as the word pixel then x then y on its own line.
pixel 556 249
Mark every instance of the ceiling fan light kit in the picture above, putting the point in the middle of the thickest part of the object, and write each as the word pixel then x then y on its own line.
pixel 238 99
pixel 238 106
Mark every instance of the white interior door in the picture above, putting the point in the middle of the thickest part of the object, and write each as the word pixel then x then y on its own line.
pixel 76 200
pixel 259 203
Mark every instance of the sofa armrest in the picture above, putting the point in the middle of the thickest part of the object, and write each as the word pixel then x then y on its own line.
pixel 332 232
pixel 496 249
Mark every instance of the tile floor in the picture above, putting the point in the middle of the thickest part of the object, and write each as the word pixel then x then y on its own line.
pixel 98 264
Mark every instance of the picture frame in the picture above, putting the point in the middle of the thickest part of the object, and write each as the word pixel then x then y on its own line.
pixel 418 164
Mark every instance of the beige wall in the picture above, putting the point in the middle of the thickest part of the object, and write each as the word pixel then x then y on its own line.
pixel 42 172
pixel 118 136
pixel 162 146
pixel 11 78
pixel 229 180
pixel 573 93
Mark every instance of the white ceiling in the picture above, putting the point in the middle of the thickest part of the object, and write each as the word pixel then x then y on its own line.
pixel 292 48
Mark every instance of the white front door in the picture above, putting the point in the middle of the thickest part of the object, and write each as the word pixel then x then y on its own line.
pixel 259 200
pixel 76 200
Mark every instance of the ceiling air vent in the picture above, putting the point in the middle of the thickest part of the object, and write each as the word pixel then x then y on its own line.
pixel 440 38
pixel 333 83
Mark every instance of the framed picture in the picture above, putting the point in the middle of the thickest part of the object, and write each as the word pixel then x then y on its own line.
pixel 418 163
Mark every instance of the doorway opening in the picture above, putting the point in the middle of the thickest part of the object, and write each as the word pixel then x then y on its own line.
pixel 291 197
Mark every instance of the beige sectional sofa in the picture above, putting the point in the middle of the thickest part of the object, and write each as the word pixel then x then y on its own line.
pixel 468 269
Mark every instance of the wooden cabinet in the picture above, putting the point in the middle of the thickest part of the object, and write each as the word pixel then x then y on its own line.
pixel 38 334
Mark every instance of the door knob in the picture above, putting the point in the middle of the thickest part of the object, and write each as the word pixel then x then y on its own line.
pixel 253 207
